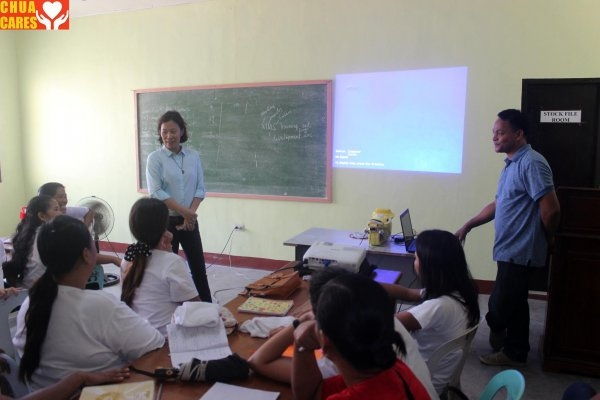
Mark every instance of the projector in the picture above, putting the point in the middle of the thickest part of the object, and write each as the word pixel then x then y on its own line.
pixel 326 254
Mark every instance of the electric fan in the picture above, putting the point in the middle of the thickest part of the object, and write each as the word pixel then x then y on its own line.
pixel 104 218
pixel 102 225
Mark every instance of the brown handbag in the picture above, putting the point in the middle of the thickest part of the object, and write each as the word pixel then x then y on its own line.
pixel 277 285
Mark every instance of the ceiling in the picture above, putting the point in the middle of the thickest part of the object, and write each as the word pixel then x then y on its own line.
pixel 83 8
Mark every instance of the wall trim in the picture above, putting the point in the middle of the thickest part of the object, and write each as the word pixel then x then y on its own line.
pixel 212 258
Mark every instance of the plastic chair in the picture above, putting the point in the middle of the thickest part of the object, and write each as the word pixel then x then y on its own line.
pixel 462 342
pixel 509 379
pixel 9 376
pixel 6 306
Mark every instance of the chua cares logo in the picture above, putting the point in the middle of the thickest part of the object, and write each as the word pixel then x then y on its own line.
pixel 34 15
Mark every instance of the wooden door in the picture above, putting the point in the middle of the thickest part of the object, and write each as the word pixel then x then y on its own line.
pixel 572 149
pixel 573 316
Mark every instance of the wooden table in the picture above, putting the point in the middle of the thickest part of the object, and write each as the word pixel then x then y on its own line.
pixel 241 343
pixel 304 240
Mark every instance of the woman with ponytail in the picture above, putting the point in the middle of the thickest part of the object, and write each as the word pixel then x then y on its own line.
pixel 61 327
pixel 355 330
pixel 25 266
pixel 157 281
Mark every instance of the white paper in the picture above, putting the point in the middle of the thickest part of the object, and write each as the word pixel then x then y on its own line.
pixel 201 342
pixel 220 391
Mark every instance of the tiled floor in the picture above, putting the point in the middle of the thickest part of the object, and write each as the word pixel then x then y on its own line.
pixel 539 384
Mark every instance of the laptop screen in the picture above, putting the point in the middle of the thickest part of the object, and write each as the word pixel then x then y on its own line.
pixel 407 229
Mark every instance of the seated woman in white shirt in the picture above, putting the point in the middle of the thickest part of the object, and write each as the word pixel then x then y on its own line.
pixel 25 266
pixel 61 327
pixel 58 192
pixel 4 293
pixel 157 281
pixel 449 303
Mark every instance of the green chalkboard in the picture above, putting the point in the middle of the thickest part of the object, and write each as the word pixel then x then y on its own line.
pixel 270 140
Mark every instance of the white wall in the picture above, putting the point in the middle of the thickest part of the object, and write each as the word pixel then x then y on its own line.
pixel 77 114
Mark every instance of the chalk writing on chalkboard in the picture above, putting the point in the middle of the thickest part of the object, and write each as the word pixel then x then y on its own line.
pixel 267 140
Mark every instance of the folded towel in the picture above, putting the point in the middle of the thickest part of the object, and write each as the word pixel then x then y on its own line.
pixel 196 313
pixel 228 320
pixel 261 326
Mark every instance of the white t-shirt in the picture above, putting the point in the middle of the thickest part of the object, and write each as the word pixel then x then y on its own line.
pixel 441 319
pixel 2 259
pixel 89 330
pixel 167 283
pixel 412 358
pixel 34 268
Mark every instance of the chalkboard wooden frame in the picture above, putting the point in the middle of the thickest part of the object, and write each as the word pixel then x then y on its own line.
pixel 276 135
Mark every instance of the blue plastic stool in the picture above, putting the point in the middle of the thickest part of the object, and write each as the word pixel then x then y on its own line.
pixel 510 379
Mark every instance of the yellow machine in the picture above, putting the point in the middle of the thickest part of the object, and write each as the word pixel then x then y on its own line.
pixel 380 226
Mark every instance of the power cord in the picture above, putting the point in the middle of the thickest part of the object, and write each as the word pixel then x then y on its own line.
pixel 111 246
pixel 229 238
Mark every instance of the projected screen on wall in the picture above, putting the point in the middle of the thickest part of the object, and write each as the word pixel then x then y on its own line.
pixel 401 120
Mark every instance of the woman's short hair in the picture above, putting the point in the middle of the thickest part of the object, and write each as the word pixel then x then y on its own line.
pixel 178 119
pixel 50 188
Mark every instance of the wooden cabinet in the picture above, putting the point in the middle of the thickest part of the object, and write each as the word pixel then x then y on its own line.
pixel 572 336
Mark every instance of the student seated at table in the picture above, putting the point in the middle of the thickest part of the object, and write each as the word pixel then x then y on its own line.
pixel 57 190
pixel 5 292
pixel 158 280
pixel 354 328
pixel 61 327
pixel 268 359
pixel 449 303
pixel 25 266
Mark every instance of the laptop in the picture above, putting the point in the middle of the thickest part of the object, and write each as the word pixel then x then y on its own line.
pixel 410 242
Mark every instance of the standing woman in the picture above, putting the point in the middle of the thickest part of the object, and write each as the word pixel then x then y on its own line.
pixel 157 282
pixel 61 327
pixel 25 266
pixel 174 175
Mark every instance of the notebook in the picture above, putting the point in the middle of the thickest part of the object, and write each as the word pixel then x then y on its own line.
pixel 410 241
pixel 259 305
pixel 143 390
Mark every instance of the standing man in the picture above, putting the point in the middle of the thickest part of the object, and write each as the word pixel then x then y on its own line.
pixel 525 212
